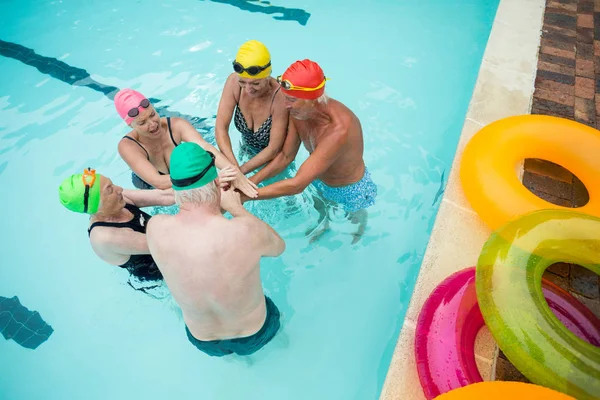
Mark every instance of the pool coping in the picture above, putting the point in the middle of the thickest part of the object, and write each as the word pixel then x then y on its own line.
pixel 504 87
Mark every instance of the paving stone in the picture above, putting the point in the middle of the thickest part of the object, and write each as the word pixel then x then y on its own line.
pixel 585 6
pixel 584 35
pixel 571 32
pixel 559 281
pixel 552 85
pixel 548 168
pixel 555 96
pixel 585 87
pixel 561 5
pixel 580 194
pixel 569 62
pixel 553 51
pixel 584 51
pixel 569 45
pixel 585 111
pixel 505 371
pixel 585 20
pixel 584 68
pixel 584 282
pixel 547 107
pixel 561 269
pixel 592 304
pixel 560 69
pixel 560 17
pixel 544 184
pixel 558 37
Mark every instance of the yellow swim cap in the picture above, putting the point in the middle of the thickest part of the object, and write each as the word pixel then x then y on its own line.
pixel 253 54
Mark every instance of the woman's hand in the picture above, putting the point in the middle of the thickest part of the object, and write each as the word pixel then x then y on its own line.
pixel 227 175
pixel 245 185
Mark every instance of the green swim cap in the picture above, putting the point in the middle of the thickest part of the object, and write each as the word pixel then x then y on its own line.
pixel 191 167
pixel 72 194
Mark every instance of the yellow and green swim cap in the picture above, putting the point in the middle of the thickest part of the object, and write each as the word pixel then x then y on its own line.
pixel 192 167
pixel 253 60
pixel 72 192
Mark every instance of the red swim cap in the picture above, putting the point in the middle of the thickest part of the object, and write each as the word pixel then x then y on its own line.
pixel 306 74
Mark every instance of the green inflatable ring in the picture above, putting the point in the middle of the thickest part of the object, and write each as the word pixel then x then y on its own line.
pixel 508 281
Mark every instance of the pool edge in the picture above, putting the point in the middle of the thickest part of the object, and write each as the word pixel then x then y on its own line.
pixel 504 87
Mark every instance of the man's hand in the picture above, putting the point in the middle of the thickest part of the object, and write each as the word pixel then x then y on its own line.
pixel 230 200
pixel 226 176
pixel 244 198
pixel 245 185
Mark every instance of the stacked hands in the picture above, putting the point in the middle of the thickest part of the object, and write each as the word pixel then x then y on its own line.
pixel 231 176
pixel 230 200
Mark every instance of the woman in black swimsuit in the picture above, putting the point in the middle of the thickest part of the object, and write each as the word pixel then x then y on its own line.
pixel 252 98
pixel 117 227
pixel 147 148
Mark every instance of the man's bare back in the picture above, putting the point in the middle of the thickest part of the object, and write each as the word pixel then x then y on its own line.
pixel 212 267
pixel 348 166
pixel 211 264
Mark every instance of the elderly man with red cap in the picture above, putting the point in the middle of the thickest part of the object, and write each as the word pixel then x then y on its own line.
pixel 333 136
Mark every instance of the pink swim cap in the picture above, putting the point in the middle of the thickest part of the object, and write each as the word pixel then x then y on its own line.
pixel 125 100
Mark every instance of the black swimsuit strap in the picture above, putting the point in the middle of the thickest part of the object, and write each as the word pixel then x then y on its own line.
pixel 133 223
pixel 237 101
pixel 139 144
pixel 273 98
pixel 170 131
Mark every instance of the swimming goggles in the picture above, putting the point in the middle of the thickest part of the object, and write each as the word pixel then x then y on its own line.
pixel 193 179
pixel 287 85
pixel 134 112
pixel 88 177
pixel 253 70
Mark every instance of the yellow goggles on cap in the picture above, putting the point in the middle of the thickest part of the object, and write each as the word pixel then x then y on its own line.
pixel 287 85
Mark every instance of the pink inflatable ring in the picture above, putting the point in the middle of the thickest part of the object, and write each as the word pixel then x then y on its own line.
pixel 450 320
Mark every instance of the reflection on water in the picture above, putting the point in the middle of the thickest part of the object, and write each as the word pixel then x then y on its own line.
pixel 265 7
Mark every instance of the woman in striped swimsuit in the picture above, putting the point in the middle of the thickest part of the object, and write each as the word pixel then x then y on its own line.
pixel 251 97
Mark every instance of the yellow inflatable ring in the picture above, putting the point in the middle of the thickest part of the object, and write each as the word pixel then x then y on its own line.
pixel 488 170
pixel 498 390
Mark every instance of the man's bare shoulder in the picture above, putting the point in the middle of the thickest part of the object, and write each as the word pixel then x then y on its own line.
pixel 340 112
pixel 159 221
pixel 244 221
pixel 245 226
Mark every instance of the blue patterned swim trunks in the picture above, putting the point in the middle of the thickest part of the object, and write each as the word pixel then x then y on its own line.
pixel 354 197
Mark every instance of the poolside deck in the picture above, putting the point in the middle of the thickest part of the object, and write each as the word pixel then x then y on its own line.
pixel 543 57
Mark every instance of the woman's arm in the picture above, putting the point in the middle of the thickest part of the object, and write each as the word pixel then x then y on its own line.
pixel 109 242
pixel 189 134
pixel 283 158
pixel 224 115
pixel 279 130
pixel 135 157
pixel 148 198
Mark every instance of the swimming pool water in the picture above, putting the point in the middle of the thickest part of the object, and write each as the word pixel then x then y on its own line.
pixel 406 67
